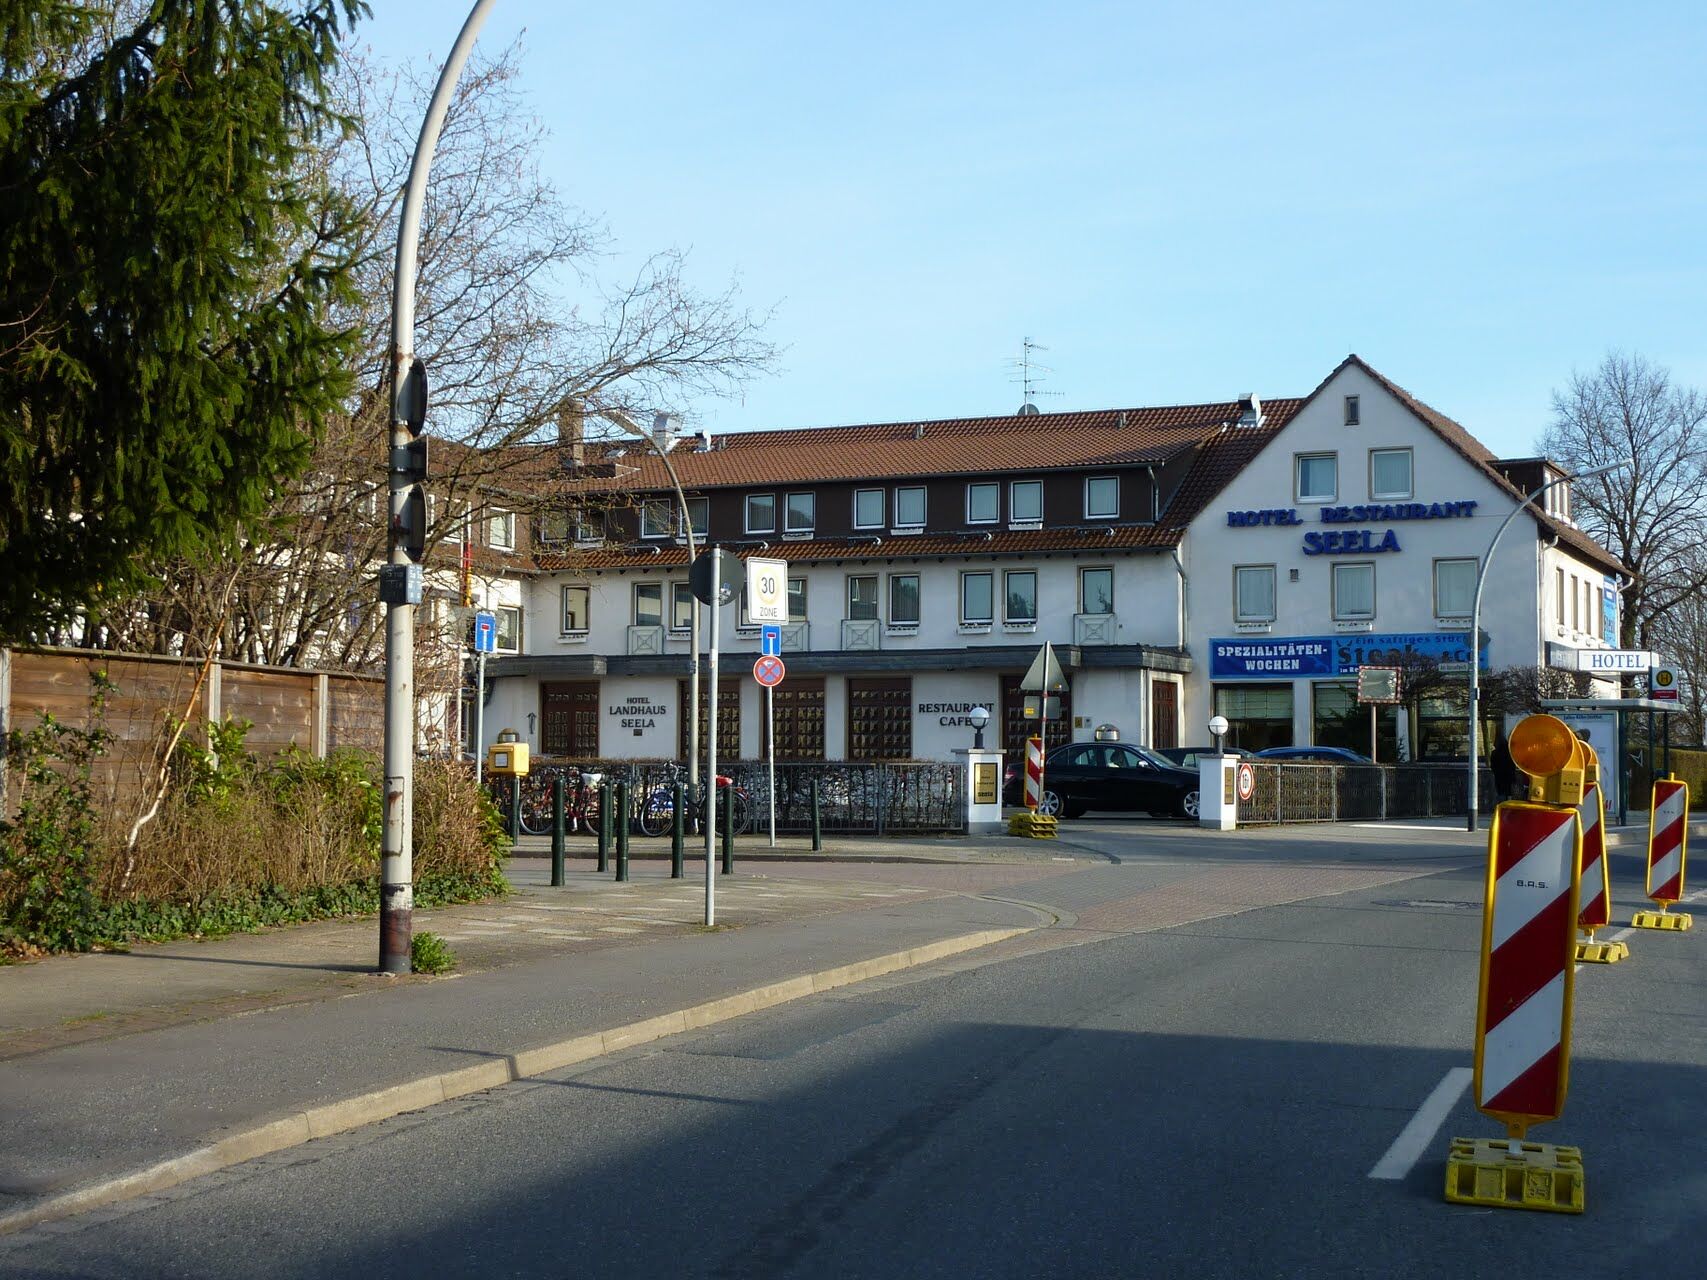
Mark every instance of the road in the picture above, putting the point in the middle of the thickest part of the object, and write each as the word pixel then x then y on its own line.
pixel 1115 1096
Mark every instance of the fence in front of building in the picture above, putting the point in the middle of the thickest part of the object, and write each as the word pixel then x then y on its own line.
pixel 1307 792
pixel 889 798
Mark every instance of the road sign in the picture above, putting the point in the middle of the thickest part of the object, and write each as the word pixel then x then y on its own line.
pixel 770 640
pixel 485 632
pixel 1662 684
pixel 1378 684
pixel 1044 675
pixel 767 590
pixel 1247 782
pixel 769 671
pixel 714 577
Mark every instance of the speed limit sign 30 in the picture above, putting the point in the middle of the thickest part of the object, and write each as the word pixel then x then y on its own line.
pixel 767 590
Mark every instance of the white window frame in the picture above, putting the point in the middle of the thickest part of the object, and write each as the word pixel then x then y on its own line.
pixel 504 611
pixel 1098 515
pixel 989 618
pixel 747 514
pixel 1014 517
pixel 650 508
pixel 796 587
pixel 995 488
pixel 924 506
pixel 1385 495
pixel 876 596
pixel 1096 568
pixel 634 607
pixel 1298 494
pixel 677 590
pixel 889 617
pixel 586 609
pixel 1469 562
pixel 1239 612
pixel 1007 596
pixel 788 525
pixel 1340 614
pixel 501 529
pixel 699 515
pixel 882 509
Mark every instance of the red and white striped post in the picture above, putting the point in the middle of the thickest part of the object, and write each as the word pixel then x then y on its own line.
pixel 1033 772
pixel 1595 893
pixel 1523 1010
pixel 1668 847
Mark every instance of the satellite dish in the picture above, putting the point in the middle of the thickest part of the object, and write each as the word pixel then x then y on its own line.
pixel 1029 410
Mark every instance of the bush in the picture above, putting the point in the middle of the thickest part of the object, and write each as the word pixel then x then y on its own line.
pixel 429 953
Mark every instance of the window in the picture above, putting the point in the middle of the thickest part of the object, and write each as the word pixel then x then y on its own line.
pixel 1576 605
pixel 797 599
pixel 1102 497
pixel 501 530
pixel 655 519
pixel 1316 477
pixel 761 513
pixel 983 503
pixel 1339 720
pixel 1096 590
pixel 589 526
pixel 1390 473
pixel 552 527
pixel 1559 595
pixel 1352 417
pixel 509 636
pixel 868 508
pixel 903 599
pixel 976 602
pixel 577 597
pixel 1253 593
pixel 800 515
pixel 1354 592
pixel 699 513
pixel 1454 588
pixel 910 507
pixel 681 607
pixel 1020 591
pixel 1025 501
pixel 1258 715
pixel 648 604
pixel 862 597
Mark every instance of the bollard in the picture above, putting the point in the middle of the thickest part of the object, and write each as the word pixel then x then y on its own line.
pixel 515 808
pixel 678 800
pixel 729 830
pixel 557 807
pixel 817 821
pixel 621 831
pixel 604 826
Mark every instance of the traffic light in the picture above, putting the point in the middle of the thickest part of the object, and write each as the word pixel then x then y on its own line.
pixel 411 407
pixel 412 524
pixel 1545 748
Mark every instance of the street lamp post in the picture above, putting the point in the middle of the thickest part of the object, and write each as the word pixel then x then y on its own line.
pixel 1474 779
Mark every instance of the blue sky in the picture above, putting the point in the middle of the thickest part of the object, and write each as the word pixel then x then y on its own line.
pixel 1183 202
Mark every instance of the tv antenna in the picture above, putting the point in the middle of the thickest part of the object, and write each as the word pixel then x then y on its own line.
pixel 1028 372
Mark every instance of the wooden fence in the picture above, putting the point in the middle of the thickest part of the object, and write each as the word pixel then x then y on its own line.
pixel 316 711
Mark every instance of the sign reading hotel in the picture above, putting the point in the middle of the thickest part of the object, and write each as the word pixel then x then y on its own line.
pixel 1244 658
pixel 1342 542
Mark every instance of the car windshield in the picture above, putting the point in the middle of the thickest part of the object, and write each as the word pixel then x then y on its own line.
pixel 1155 758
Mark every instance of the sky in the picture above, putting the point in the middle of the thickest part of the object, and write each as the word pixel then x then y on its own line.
pixel 1181 202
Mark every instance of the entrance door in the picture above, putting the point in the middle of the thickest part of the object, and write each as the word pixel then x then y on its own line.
pixel 569 712
pixel 880 721
pixel 728 719
pixel 1164 713
pixel 1017 726
pixel 800 718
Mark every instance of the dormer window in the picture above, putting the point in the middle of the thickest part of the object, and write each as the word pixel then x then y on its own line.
pixel 1025 501
pixel 800 514
pixel 761 513
pixel 910 507
pixel 1102 497
pixel 983 503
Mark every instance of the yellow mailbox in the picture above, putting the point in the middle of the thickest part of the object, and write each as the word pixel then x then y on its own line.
pixel 508 755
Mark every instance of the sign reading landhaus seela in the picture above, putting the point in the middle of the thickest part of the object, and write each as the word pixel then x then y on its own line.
pixel 1341 542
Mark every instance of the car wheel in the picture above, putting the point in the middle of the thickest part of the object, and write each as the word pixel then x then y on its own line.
pixel 1188 804
pixel 1049 803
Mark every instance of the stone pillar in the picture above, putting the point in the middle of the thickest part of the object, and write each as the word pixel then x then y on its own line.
pixel 1217 794
pixel 983 791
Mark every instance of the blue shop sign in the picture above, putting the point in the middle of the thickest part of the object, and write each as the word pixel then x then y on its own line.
pixel 1248 658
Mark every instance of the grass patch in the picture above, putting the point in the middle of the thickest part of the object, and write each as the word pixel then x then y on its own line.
pixel 429 953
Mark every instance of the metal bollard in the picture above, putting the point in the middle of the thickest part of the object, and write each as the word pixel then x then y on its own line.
pixel 678 803
pixel 557 806
pixel 817 821
pixel 729 830
pixel 604 826
pixel 515 808
pixel 621 831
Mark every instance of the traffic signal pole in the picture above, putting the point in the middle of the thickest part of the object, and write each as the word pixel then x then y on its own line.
pixel 397 887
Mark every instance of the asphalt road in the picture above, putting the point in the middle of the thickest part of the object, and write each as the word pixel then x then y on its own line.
pixel 1206 1100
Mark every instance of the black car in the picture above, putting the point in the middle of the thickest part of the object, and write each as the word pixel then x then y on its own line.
pixel 1109 776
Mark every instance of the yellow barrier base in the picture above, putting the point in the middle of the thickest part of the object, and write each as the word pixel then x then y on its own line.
pixel 1676 921
pixel 1515 1175
pixel 1601 952
pixel 1038 826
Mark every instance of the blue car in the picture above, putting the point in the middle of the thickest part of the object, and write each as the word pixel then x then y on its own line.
pixel 1313 755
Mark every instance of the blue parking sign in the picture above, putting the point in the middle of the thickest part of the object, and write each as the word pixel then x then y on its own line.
pixel 485 632
pixel 770 640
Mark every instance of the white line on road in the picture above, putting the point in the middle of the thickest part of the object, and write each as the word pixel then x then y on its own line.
pixel 1416 1136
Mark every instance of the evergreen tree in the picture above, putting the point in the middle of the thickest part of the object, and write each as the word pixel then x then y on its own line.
pixel 169 261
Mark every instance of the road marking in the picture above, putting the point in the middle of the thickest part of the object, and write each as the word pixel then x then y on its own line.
pixel 1419 1134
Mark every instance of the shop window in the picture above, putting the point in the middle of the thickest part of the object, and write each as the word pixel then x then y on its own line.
pixel 1253 593
pixel 1454 588
pixel 1096 590
pixel 1354 592
pixel 1258 715
pixel 1441 729
pixel 1340 720
pixel 1315 477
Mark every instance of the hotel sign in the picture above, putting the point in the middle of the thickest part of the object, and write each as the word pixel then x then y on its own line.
pixel 1343 542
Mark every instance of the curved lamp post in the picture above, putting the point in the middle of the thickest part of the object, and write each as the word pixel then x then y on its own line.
pixel 1476 624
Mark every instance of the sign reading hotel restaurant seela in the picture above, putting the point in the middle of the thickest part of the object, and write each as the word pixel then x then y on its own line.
pixel 1342 542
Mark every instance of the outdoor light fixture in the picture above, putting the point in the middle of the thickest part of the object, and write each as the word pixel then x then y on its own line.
pixel 979 716
pixel 1217 729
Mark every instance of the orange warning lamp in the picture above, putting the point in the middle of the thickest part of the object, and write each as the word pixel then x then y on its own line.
pixel 1545 748
pixel 1591 765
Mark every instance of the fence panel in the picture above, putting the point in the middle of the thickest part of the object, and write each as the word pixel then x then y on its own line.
pixel 1310 792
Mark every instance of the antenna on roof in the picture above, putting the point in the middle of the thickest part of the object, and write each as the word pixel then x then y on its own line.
pixel 1025 370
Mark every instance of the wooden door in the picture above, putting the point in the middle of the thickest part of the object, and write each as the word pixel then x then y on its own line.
pixel 800 718
pixel 1164 713
pixel 880 718
pixel 1017 726
pixel 728 719
pixel 569 712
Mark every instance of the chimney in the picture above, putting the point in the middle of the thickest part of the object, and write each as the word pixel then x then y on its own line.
pixel 572 431
pixel 1250 410
pixel 704 444
pixel 663 432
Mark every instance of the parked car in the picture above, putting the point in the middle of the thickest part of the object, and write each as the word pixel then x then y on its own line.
pixel 1313 755
pixel 1186 757
pixel 1108 776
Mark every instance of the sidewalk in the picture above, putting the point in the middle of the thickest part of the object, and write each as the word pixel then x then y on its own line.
pixel 113 1066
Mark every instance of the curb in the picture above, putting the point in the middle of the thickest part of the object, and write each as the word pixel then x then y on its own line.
pixel 299 1127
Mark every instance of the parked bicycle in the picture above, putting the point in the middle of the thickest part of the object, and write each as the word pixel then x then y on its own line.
pixel 654 810
pixel 580 799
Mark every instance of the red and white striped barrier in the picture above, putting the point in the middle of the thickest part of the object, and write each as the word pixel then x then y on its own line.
pixel 1667 840
pixel 1523 1011
pixel 1033 772
pixel 1596 891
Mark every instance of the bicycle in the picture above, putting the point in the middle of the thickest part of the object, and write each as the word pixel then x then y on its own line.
pixel 654 811
pixel 580 800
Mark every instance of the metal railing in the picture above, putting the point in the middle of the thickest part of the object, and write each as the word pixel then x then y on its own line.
pixel 1310 792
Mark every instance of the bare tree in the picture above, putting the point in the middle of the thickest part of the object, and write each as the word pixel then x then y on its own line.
pixel 1648 514
pixel 1681 634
